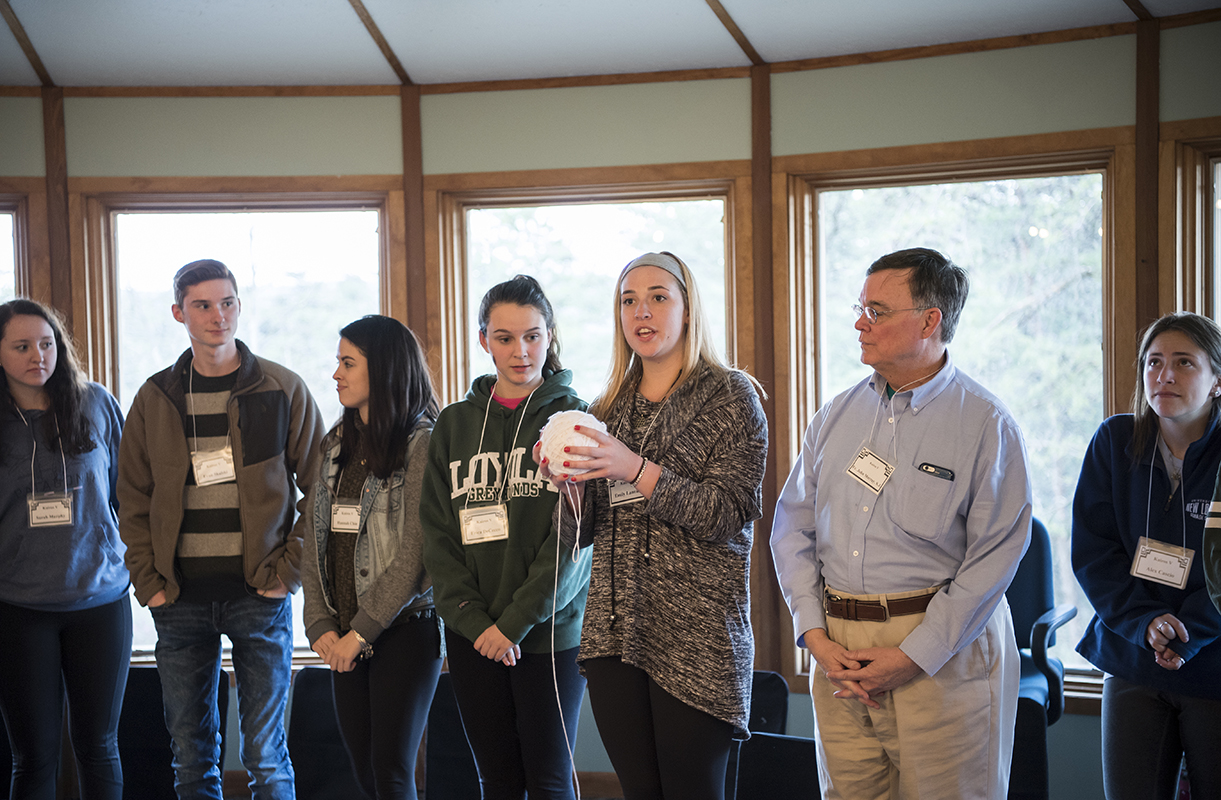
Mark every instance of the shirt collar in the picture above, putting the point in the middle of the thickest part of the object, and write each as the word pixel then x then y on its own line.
pixel 923 394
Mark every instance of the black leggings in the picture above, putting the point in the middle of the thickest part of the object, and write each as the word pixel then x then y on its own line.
pixel 659 746
pixel 510 718
pixel 86 653
pixel 1145 734
pixel 382 706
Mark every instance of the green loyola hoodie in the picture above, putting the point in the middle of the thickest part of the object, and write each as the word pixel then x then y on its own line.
pixel 511 582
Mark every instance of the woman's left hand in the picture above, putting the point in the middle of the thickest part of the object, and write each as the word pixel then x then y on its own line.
pixel 609 458
pixel 343 654
pixel 1161 632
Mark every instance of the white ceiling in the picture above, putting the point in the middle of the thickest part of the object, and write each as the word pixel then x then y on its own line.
pixel 324 42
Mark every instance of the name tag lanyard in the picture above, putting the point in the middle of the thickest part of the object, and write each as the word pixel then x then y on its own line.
pixel 490 523
pixel 210 466
pixel 867 467
pixel 49 508
pixel 345 517
pixel 1157 561
pixel 623 493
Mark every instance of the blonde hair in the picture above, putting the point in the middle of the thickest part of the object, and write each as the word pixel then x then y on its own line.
pixel 698 348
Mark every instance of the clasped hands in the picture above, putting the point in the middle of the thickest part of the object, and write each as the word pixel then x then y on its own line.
pixel 1160 633
pixel 339 653
pixel 860 674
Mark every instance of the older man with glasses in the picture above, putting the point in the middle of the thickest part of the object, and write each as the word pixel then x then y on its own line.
pixel 898 531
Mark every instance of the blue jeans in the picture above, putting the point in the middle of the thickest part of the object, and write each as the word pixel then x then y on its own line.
pixel 188 658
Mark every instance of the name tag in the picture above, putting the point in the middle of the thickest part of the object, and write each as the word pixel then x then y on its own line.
pixel 623 493
pixel 484 524
pixel 50 509
pixel 345 517
pixel 214 466
pixel 870 470
pixel 1162 563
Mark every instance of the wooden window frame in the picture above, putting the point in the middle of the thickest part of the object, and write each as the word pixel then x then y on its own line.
pixel 448 198
pixel 1187 236
pixel 94 258
pixel 25 199
pixel 800 178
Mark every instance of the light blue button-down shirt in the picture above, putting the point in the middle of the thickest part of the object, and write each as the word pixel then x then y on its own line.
pixel 956 508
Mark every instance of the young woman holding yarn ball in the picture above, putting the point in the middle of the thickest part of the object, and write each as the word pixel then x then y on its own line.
pixel 510 597
pixel 667 504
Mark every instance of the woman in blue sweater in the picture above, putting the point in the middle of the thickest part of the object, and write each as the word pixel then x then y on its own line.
pixel 1140 507
pixel 64 609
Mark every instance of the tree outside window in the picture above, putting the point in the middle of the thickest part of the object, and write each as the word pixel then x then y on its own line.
pixel 1031 331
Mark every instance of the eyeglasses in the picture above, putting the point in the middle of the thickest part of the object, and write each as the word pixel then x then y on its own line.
pixel 873 315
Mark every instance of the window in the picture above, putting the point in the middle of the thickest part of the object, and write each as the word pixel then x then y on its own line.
pixel 1033 327
pixel 1214 229
pixel 303 271
pixel 576 253
pixel 575 238
pixel 8 255
pixel 301 275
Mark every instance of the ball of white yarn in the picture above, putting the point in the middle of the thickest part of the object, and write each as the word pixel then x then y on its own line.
pixel 558 433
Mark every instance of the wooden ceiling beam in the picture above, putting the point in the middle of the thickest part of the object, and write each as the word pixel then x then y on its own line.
pixel 1139 10
pixel 359 7
pixel 736 32
pixel 23 39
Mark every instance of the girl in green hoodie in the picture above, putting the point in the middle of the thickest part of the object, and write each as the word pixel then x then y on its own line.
pixel 493 555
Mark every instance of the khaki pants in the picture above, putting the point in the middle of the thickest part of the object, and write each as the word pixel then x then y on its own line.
pixel 938 737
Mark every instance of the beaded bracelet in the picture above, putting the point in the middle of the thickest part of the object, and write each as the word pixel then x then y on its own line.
pixel 644 462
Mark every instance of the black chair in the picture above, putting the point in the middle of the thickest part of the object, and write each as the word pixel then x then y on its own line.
pixel 1031 599
pixel 320 760
pixel 449 765
pixel 772 766
pixel 769 713
pixel 144 741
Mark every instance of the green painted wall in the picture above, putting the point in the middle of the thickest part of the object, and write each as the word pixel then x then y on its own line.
pixel 233 136
pixel 1026 90
pixel 600 126
pixel 1191 72
pixel 21 153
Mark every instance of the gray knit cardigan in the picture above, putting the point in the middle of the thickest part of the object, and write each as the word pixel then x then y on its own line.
pixel 679 563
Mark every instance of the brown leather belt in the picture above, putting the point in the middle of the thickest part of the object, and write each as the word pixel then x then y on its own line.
pixel 873 610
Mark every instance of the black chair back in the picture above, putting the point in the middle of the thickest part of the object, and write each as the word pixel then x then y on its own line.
pixel 449 766
pixel 1032 593
pixel 320 760
pixel 144 741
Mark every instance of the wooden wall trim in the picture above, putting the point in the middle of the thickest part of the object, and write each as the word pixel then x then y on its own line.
pixel 1204 127
pixel 967 151
pixel 20 91
pixel 620 79
pixel 592 177
pixel 281 185
pixel 358 90
pixel 765 591
pixel 413 209
pixel 955 48
pixel 1148 47
pixel 55 146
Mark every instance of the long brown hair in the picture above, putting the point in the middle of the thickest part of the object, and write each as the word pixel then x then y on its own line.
pixel 401 394
pixel 1205 334
pixel 69 428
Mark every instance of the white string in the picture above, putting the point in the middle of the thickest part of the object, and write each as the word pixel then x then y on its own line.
pixel 34 453
pixel 504 478
pixel 555 595
pixel 194 421
pixel 1182 486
